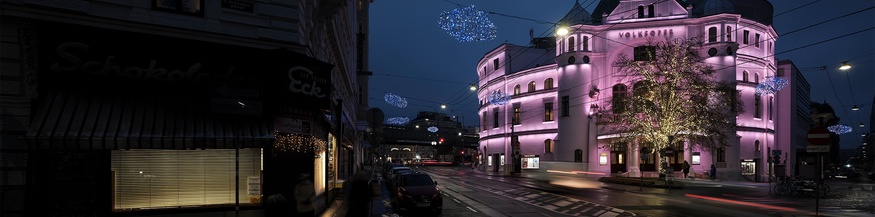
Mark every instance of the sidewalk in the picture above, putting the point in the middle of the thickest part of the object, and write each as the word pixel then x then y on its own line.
pixel 380 205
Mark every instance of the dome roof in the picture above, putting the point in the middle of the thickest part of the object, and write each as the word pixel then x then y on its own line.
pixel 577 15
pixel 758 10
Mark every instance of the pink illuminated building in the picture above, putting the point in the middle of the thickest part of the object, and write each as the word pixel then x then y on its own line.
pixel 560 87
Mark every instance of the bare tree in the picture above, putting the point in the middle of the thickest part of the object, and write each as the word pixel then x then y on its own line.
pixel 674 94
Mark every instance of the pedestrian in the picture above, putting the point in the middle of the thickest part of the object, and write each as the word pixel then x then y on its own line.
pixel 360 196
pixel 686 169
pixel 713 172
pixel 305 193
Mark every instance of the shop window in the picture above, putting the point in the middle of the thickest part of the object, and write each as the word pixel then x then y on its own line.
pixel 156 178
pixel 191 7
pixel 548 111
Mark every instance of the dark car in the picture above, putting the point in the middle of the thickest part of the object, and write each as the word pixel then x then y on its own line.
pixel 417 191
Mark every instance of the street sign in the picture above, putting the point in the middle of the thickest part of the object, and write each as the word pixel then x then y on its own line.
pixel 817 148
pixel 818 136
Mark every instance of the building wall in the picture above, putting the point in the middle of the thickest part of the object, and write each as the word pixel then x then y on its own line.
pixel 580 71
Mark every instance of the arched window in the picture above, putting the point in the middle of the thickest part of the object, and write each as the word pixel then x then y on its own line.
pixel 578 155
pixel 570 44
pixel 548 146
pixel 744 76
pixel 650 11
pixel 548 84
pixel 756 78
pixel 721 154
pixel 618 98
pixel 757 106
pixel 516 90
pixel 640 11
pixel 585 43
pixel 712 34
pixel 531 86
pixel 728 33
pixel 756 145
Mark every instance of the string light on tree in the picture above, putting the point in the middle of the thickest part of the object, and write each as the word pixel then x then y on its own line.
pixel 839 129
pixel 395 100
pixel 432 129
pixel 498 98
pixel 771 85
pixel 467 24
pixel 398 120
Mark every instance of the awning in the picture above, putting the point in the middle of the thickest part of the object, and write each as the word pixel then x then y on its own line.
pixel 106 121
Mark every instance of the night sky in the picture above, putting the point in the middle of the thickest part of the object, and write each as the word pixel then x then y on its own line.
pixel 412 57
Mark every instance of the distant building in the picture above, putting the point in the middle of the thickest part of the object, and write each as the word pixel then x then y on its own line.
pixel 560 95
pixel 430 136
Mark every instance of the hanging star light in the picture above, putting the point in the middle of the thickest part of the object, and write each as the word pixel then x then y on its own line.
pixel 839 129
pixel 498 98
pixel 771 85
pixel 398 120
pixel 432 129
pixel 395 100
pixel 467 24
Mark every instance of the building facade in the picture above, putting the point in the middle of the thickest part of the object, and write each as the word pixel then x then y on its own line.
pixel 430 137
pixel 158 107
pixel 558 105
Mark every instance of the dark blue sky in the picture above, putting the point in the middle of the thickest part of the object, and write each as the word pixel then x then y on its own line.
pixel 412 57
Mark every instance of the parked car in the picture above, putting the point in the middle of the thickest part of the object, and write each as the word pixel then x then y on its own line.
pixel 394 171
pixel 417 191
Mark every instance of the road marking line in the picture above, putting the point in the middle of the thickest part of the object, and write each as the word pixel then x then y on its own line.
pixel 457 201
pixel 472 209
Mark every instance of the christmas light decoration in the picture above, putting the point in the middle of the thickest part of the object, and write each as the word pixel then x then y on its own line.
pixel 839 129
pixel 771 85
pixel 395 100
pixel 432 129
pixel 498 98
pixel 398 120
pixel 298 143
pixel 467 24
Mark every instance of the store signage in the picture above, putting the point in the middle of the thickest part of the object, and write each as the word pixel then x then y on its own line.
pixel 303 80
pixel 293 125
pixel 645 33
pixel 239 5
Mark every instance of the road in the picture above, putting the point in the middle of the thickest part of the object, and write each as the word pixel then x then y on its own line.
pixel 471 193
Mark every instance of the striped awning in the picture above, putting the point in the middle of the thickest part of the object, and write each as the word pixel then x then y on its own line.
pixel 110 122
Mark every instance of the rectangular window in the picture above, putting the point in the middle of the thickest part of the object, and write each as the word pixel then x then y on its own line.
pixel 495 64
pixel 516 114
pixel 746 36
pixel 712 34
pixel 585 43
pixel 484 120
pixel 721 155
pixel 697 159
pixel 757 108
pixel 756 43
pixel 565 106
pixel 645 53
pixel 548 111
pixel 495 118
pixel 771 98
pixel 191 7
pixel 155 178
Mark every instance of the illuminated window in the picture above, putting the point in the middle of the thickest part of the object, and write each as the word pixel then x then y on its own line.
pixel 531 86
pixel 516 114
pixel 192 7
pixel 548 111
pixel 548 84
pixel 548 146
pixel 603 159
pixel 516 90
pixel 697 159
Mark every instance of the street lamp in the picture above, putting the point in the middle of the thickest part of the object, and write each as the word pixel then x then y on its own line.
pixel 845 66
pixel 473 88
pixel 855 108
pixel 562 31
pixel 443 106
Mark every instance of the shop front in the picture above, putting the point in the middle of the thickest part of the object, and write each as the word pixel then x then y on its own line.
pixel 130 123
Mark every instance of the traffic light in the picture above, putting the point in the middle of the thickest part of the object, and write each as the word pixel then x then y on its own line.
pixel 442 140
pixel 463 152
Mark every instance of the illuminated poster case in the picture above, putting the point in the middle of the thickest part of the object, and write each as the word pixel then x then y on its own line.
pixel 531 162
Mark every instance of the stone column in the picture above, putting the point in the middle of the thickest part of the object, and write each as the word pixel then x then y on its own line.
pixel 634 162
